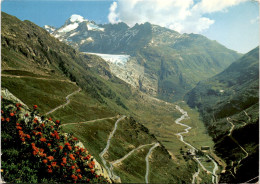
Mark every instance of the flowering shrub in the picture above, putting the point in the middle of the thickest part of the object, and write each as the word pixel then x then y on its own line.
pixel 34 150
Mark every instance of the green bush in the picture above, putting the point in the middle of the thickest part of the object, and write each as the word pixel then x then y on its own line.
pixel 34 150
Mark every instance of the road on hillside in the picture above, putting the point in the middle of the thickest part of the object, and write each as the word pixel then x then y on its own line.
pixel 40 78
pixel 63 105
pixel 128 154
pixel 90 121
pixel 195 175
pixel 147 161
pixel 186 130
pixel 234 140
pixel 101 155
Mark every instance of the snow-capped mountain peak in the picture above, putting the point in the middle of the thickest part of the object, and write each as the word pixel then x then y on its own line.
pixel 50 29
pixel 77 18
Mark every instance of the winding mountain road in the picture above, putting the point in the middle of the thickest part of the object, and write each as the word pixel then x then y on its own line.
pixel 40 78
pixel 147 161
pixel 249 119
pixel 128 154
pixel 90 121
pixel 186 130
pixel 67 102
pixel 101 155
pixel 195 175
pixel 234 140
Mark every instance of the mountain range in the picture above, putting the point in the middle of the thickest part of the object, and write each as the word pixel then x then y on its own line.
pixel 172 63
pixel 113 87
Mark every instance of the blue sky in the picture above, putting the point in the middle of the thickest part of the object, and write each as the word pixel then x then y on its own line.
pixel 235 25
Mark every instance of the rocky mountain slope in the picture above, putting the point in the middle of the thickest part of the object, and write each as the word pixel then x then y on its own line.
pixel 229 104
pixel 171 63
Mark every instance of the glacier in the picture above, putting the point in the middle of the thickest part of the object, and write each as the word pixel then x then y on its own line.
pixel 113 58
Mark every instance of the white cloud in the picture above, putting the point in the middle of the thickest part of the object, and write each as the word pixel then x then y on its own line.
pixel 210 6
pixel 113 16
pixel 180 15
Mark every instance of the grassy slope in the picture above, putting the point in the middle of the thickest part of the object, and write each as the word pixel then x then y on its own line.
pixel 129 135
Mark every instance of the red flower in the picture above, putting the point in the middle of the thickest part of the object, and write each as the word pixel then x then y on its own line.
pixel 60 147
pixel 71 157
pixel 65 153
pixel 35 149
pixel 87 180
pixel 92 171
pixel 18 128
pixel 90 166
pixel 35 107
pixel 87 157
pixel 43 139
pixel 42 154
pixel 49 144
pixel 35 120
pixel 50 158
pixel 2 112
pixel 62 164
pixel 67 144
pixel 34 153
pixel 69 147
pixel 11 114
pixel 64 160
pixel 54 150
pixel 54 164
pixel 39 133
pixel 22 139
pixel 49 170
pixel 50 118
pixel 73 167
pixel 51 127
pixel 92 162
pixel 33 144
pixel 20 132
pixel 57 121
pixel 41 150
pixel 28 136
pixel 2 119
pixel 26 115
pixel 18 105
pixel 79 176
pixel 7 119
pixel 45 161
pixel 43 125
pixel 78 170
pixel 75 138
